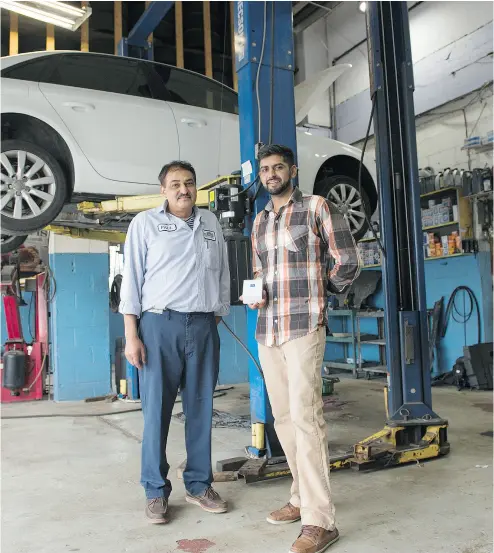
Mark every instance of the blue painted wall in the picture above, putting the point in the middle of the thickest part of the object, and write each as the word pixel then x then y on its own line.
pixel 79 326
pixel 442 277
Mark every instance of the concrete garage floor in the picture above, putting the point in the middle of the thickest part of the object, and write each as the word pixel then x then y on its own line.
pixel 72 484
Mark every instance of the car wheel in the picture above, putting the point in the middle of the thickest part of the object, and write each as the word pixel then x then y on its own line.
pixel 10 243
pixel 352 203
pixel 33 187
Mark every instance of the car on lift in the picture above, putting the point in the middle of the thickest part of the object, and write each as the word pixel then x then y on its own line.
pixel 79 125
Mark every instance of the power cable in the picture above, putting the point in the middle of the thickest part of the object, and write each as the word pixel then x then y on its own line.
pixel 245 348
pixel 271 87
pixel 359 182
pixel 245 189
pixel 259 73
pixel 115 293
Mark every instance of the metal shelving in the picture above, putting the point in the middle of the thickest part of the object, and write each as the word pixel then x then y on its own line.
pixel 356 339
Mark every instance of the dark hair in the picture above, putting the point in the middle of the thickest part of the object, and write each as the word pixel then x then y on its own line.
pixel 277 150
pixel 177 164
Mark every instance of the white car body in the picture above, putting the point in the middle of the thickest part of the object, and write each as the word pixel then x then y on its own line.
pixel 118 142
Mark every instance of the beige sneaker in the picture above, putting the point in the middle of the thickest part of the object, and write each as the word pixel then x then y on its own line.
pixel 285 515
pixel 314 539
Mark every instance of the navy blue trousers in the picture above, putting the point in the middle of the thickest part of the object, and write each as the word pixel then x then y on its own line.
pixel 182 351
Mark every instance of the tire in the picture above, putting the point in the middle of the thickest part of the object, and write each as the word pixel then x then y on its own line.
pixel 45 201
pixel 10 243
pixel 337 189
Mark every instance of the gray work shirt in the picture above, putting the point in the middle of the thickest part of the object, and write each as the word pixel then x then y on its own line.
pixel 168 265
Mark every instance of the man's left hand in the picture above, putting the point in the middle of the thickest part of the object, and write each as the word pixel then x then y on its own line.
pixel 218 320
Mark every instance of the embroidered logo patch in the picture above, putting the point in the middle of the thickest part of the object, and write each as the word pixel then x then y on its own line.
pixel 209 235
pixel 167 227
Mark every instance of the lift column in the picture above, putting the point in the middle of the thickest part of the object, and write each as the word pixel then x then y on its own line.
pixel 392 87
pixel 265 68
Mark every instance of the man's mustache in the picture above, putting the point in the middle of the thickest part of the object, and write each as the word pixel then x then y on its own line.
pixel 184 196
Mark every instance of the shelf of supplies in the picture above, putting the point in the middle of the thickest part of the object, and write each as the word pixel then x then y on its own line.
pixel 480 147
pixel 440 191
pixel 448 224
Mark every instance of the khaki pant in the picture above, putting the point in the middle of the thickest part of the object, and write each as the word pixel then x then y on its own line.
pixel 294 383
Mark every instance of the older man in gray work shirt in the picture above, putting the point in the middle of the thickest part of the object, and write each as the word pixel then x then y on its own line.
pixel 176 285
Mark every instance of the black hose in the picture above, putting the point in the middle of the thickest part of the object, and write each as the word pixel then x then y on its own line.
pixel 359 182
pixel 245 348
pixel 452 311
pixel 271 86
pixel 115 293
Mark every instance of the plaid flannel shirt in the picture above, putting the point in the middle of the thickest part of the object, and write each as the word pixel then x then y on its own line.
pixel 292 253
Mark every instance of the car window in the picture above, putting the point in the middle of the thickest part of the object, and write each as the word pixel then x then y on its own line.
pixel 32 70
pixel 108 74
pixel 185 87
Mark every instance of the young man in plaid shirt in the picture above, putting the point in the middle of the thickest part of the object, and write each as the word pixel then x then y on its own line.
pixel 293 240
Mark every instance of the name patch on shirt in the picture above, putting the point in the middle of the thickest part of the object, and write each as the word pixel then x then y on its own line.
pixel 167 227
pixel 209 235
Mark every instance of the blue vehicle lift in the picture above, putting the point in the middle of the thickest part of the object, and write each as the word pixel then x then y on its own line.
pixel 413 431
pixel 265 67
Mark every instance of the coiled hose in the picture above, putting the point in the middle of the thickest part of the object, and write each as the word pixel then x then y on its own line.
pixel 453 311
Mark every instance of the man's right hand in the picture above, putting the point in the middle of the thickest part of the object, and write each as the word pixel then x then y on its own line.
pixel 258 304
pixel 135 352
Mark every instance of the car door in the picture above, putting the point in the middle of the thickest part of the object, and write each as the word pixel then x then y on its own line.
pixel 109 108
pixel 208 134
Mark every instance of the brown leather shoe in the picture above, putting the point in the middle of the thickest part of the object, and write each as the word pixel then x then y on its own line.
pixel 314 539
pixel 156 510
pixel 210 501
pixel 285 515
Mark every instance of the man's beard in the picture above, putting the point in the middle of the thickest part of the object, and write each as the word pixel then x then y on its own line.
pixel 277 188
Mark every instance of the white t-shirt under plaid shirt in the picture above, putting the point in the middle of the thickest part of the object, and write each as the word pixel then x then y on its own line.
pixel 292 250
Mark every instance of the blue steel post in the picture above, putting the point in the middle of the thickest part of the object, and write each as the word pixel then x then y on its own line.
pixel 392 89
pixel 265 68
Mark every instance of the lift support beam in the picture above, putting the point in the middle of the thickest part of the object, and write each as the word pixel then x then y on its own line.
pixel 147 23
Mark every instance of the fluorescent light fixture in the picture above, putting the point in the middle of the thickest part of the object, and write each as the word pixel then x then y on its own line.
pixel 50 11
pixel 362 7
pixel 308 132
